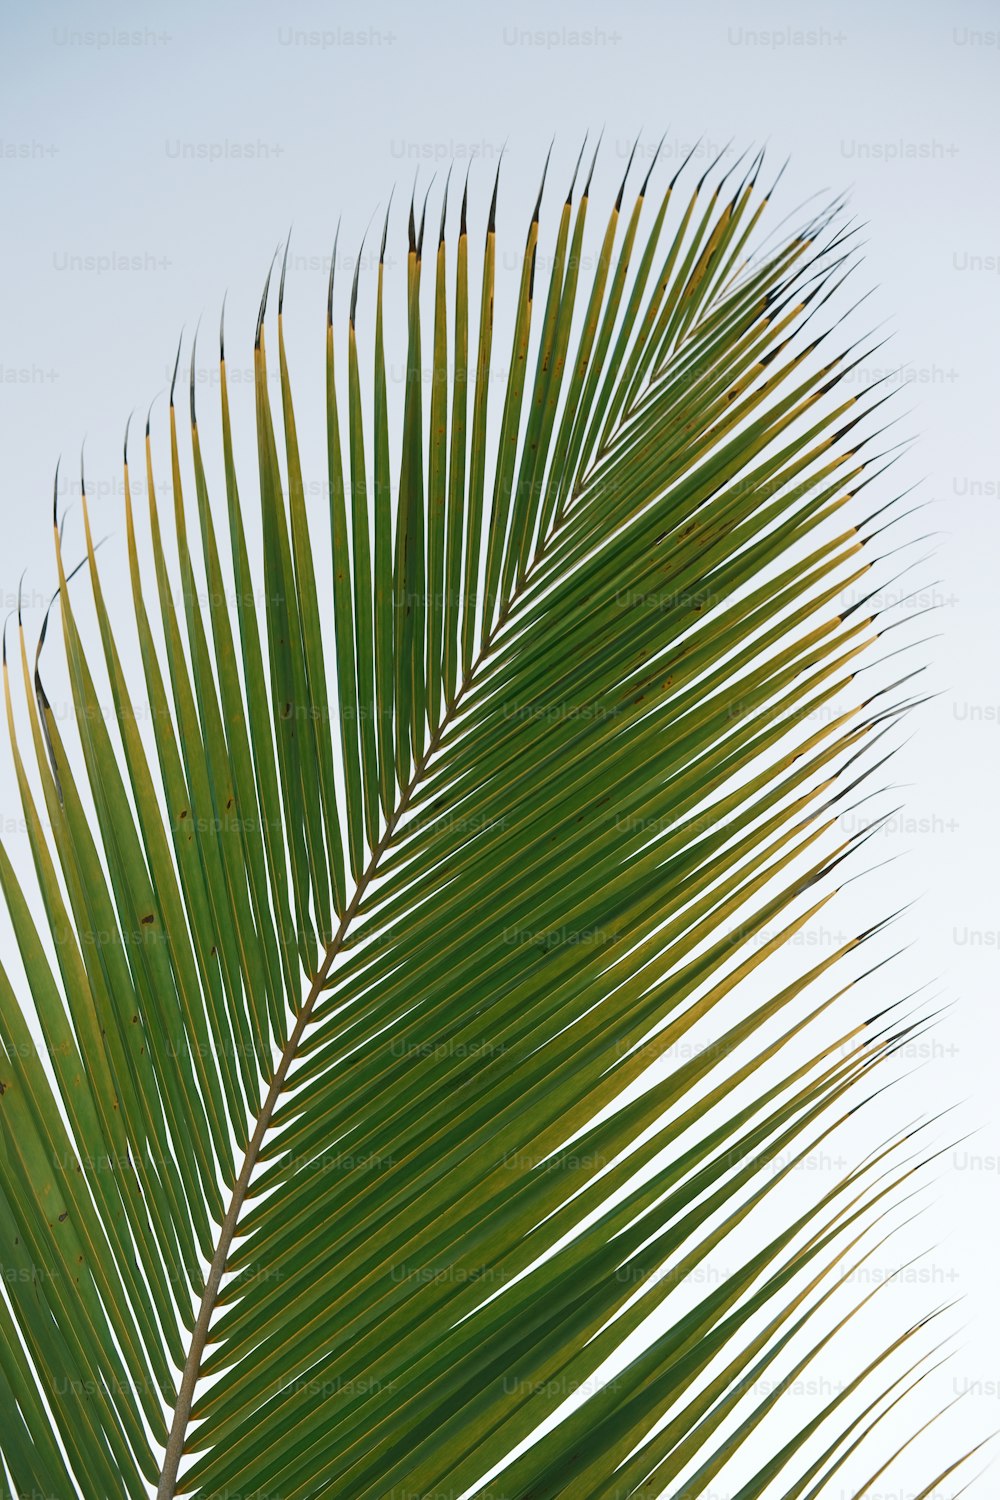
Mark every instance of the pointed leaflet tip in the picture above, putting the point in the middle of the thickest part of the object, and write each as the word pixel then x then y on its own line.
pixel 759 164
pixel 673 180
pixel 354 286
pixel 491 224
pixel 149 412
pixel 194 350
pixel 712 165
pixel 40 694
pixel 385 228
pixel 444 207
pixel 576 169
pixel 177 361
pixel 284 268
pixel 329 285
pixel 541 189
pixel 357 275
pixel 656 157
pixel 593 164
pixel 781 174
pixel 263 301
pixel 128 424
pixel 55 495
pixel 222 329
pixel 726 175
pixel 742 184
pixel 423 219
pixel 628 168
pixel 463 225
pixel 412 225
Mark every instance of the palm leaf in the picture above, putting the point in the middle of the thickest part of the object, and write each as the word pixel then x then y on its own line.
pixel 353 1119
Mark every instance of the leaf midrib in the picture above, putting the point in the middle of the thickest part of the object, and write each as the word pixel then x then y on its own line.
pixel 166 1489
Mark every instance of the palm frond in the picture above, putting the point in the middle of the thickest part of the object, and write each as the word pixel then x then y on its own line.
pixel 356 1117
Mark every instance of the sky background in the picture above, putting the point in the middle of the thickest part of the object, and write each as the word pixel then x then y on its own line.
pixel 152 157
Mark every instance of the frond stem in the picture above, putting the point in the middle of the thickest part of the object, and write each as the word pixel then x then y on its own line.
pixel 166 1489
